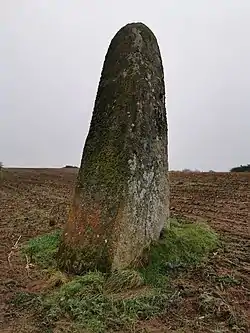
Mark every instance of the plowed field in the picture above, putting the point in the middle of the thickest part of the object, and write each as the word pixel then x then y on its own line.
pixel 35 201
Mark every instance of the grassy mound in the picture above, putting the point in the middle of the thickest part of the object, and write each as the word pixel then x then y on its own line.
pixel 85 302
pixel 97 302
pixel 182 245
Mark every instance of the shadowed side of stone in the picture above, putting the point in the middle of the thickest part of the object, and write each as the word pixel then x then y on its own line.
pixel 121 199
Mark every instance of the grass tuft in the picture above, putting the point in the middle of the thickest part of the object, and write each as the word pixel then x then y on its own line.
pixel 42 250
pixel 56 279
pixel 123 280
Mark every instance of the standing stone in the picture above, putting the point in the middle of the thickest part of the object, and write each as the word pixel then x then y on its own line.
pixel 121 199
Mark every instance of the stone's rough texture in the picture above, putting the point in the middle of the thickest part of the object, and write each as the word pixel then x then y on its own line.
pixel 121 199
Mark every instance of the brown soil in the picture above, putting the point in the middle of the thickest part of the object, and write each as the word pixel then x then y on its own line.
pixel 36 201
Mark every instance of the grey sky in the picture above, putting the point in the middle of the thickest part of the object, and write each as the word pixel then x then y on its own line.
pixel 51 56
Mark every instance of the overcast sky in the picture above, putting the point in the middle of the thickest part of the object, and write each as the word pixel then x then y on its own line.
pixel 51 56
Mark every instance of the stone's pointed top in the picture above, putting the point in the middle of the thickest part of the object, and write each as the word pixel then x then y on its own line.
pixel 136 25
pixel 132 46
